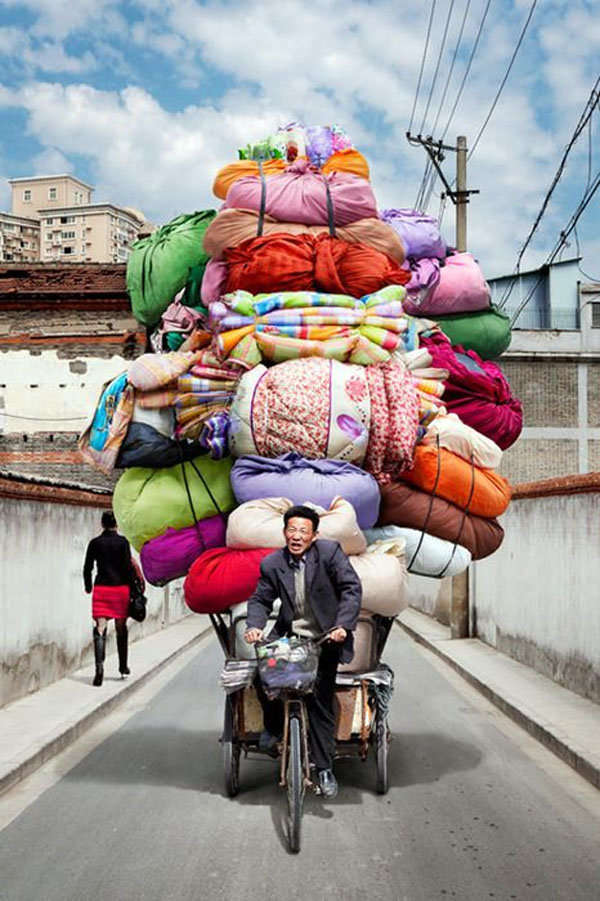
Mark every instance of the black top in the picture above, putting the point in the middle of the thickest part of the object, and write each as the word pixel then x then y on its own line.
pixel 112 555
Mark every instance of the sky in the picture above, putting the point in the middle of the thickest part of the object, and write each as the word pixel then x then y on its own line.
pixel 147 99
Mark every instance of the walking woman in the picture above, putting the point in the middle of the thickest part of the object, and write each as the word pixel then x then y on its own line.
pixel 110 598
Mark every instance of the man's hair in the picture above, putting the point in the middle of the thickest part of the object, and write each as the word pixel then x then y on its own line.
pixel 302 512
pixel 108 520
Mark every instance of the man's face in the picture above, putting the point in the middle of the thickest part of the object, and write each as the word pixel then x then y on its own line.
pixel 299 535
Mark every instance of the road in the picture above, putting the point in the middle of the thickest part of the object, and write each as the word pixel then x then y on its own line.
pixel 477 809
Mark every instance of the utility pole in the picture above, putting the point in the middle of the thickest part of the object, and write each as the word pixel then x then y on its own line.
pixel 462 195
pixel 459 596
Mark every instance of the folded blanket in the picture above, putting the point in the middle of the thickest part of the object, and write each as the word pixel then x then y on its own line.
pixel 303 262
pixel 232 227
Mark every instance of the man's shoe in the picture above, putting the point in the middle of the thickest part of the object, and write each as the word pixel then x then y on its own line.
pixel 328 784
pixel 268 742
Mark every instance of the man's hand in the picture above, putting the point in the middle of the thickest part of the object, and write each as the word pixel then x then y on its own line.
pixel 251 636
pixel 338 634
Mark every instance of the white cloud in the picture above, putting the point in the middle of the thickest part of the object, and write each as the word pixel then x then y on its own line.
pixel 51 161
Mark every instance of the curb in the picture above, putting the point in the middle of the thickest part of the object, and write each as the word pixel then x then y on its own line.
pixel 58 743
pixel 559 746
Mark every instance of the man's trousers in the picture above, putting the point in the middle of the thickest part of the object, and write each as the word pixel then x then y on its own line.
pixel 319 705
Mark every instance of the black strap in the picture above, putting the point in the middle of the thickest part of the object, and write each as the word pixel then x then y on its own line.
pixel 204 482
pixel 330 210
pixel 263 201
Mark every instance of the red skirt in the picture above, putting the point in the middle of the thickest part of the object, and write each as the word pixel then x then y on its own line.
pixel 110 601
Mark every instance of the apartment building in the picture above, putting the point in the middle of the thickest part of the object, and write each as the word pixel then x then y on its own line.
pixel 19 239
pixel 94 232
pixel 65 224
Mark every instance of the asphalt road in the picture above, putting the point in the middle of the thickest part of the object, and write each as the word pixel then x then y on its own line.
pixel 475 811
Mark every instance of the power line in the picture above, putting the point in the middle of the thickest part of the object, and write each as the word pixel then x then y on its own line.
pixel 423 58
pixel 42 418
pixel 452 64
pixel 504 80
pixel 562 239
pixel 585 118
pixel 468 69
pixel 437 67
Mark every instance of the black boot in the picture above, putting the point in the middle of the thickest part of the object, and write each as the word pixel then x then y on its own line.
pixel 122 650
pixel 99 654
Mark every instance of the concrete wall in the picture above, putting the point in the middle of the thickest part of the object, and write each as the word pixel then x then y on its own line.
pixel 45 615
pixel 536 598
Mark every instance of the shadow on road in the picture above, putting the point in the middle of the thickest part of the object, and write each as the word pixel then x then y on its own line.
pixel 191 759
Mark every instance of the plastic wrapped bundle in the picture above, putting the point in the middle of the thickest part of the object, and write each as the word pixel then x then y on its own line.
pixel 259 523
pixel 318 481
pixel 222 577
pixel 477 391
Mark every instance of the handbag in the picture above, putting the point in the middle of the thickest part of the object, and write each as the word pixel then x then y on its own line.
pixel 137 598
pixel 137 603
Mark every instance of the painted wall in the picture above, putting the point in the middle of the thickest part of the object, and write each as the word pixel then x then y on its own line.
pixel 536 598
pixel 45 615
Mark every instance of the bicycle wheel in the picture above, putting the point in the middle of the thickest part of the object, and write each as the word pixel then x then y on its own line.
pixel 231 751
pixel 382 746
pixel 295 784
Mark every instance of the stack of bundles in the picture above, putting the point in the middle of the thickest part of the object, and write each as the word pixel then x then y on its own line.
pixel 305 335
pixel 448 287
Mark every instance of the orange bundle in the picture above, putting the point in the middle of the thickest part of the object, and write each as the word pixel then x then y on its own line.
pixel 283 262
pixel 491 493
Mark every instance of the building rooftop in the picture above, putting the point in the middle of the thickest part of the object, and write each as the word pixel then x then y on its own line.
pixel 16 216
pixel 22 178
pixel 83 207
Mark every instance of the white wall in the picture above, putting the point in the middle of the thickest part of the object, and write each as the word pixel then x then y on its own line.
pixel 45 615
pixel 538 597
pixel 59 391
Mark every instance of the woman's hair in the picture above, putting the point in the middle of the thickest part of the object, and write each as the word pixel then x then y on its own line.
pixel 108 520
pixel 302 512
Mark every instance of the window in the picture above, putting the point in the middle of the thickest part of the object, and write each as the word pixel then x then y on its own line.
pixel 27 195
pixel 8 227
pixel 49 221
pixel 595 315
pixel 68 234
pixel 67 250
pixel 51 193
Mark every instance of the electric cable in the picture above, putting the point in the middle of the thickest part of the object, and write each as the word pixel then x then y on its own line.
pixel 468 69
pixel 437 67
pixel 504 80
pixel 423 58
pixel 452 64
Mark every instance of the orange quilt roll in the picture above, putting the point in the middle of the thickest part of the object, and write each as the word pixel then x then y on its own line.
pixel 349 160
pixel 491 492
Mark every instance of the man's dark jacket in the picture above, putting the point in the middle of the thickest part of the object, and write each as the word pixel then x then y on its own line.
pixel 333 591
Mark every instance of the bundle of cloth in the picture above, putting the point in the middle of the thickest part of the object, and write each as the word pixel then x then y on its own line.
pixel 367 415
pixel 446 506
pixel 291 324
pixel 327 149
pixel 477 391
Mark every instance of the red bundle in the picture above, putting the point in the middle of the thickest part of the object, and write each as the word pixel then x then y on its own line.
pixel 222 577
pixel 282 262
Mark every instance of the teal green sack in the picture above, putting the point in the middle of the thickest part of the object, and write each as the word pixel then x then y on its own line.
pixel 159 265
pixel 147 502
pixel 487 332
